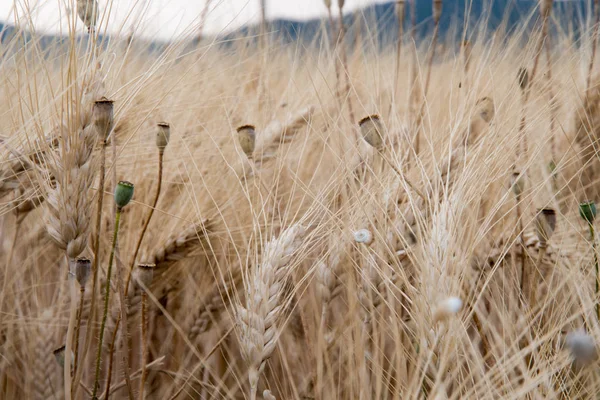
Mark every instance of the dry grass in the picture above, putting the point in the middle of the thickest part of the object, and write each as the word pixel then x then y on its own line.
pixel 309 264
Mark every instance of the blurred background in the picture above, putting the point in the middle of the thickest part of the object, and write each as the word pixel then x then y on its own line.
pixel 166 20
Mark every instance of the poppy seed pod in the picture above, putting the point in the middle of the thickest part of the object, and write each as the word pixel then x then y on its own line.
pixel 145 273
pixel 587 210
pixel 83 268
pixel 327 3
pixel 447 308
pixel 372 131
pixel 486 109
pixel 546 7
pixel 59 355
pixel 247 139
pixel 517 184
pixel 87 10
pixel 400 9
pixel 163 135
pixel 341 3
pixel 123 193
pixel 103 117
pixel 437 10
pixel 523 78
pixel 545 224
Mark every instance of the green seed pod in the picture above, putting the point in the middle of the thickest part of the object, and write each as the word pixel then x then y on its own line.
pixel 523 78
pixel 545 223
pixel 587 210
pixel 163 135
pixel 145 273
pixel 103 117
pixel 123 193
pixel 83 268
pixel 372 131
pixel 247 139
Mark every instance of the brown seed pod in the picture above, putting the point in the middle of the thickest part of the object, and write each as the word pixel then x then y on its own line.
pixel 83 267
pixel 163 135
pixel 145 274
pixel 103 117
pixel 247 139
pixel 545 224
pixel 437 10
pixel 372 131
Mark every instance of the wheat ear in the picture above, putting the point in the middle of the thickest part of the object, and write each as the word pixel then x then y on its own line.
pixel 179 246
pixel 258 319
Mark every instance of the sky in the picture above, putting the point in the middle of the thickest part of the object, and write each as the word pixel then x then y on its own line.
pixel 164 19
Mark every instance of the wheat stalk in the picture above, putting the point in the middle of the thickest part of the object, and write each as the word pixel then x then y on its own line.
pixel 258 319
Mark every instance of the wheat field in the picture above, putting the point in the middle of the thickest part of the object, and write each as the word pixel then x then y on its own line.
pixel 324 220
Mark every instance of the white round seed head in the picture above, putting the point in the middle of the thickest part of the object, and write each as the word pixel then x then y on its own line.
pixel 581 346
pixel 363 236
pixel 447 308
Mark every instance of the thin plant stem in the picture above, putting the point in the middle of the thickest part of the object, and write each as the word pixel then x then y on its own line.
pixel 70 329
pixel 78 328
pixel 345 70
pixel 106 302
pixel 401 175
pixel 400 17
pixel 594 44
pixel 597 272
pixel 531 290
pixel 144 345
pixel 147 223
pixel 110 361
pixel 88 335
pixel 426 88
pixel 524 275
pixel 136 251
pixel 527 90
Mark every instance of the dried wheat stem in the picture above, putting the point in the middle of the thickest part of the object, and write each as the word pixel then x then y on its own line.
pixel 400 14
pixel 144 344
pixel 344 57
pixel 414 69
pixel 96 252
pixel 528 87
pixel 78 328
pixel 594 44
pixel 338 75
pixel 552 103
pixel 420 116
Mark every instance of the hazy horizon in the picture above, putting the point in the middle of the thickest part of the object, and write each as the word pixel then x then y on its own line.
pixel 166 19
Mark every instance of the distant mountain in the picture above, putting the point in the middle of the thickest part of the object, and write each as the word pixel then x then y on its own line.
pixel 470 16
